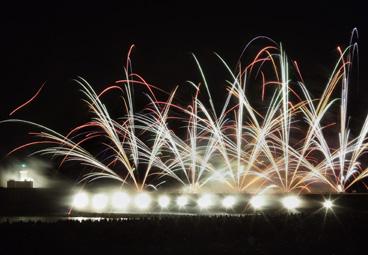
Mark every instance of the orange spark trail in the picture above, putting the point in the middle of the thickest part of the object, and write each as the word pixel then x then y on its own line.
pixel 28 101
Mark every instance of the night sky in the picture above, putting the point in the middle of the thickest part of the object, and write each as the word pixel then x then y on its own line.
pixel 55 43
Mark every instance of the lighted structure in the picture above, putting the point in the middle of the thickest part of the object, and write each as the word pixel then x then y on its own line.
pixel 23 181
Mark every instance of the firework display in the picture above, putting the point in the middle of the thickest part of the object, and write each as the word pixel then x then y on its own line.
pixel 280 140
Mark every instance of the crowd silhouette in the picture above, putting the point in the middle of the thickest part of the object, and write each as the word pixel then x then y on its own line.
pixel 318 233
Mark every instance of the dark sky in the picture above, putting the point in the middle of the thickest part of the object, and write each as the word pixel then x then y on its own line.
pixel 55 42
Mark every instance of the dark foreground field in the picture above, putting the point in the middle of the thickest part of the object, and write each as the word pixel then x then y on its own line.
pixel 251 234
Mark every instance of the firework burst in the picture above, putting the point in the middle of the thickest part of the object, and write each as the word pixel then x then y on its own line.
pixel 281 146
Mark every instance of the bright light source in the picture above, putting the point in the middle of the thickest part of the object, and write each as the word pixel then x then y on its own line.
pixel 328 204
pixel 205 201
pixel 99 201
pixel 142 201
pixel 182 201
pixel 291 202
pixel 164 201
pixel 80 200
pixel 120 200
pixel 257 202
pixel 340 188
pixel 228 202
